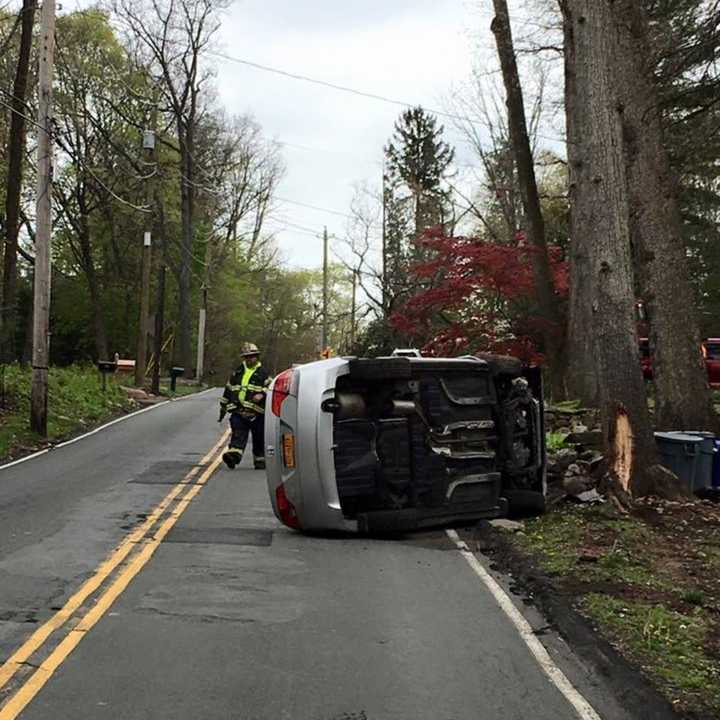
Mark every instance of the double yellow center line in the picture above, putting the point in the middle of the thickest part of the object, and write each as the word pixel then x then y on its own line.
pixel 179 502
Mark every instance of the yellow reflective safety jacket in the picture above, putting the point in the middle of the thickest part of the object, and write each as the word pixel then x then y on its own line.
pixel 243 386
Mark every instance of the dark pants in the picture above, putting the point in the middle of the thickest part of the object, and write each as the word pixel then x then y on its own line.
pixel 244 425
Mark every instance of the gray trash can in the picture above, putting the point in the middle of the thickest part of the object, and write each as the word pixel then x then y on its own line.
pixel 704 472
pixel 686 455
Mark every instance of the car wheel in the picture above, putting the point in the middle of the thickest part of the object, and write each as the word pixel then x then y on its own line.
pixel 526 502
pixel 502 364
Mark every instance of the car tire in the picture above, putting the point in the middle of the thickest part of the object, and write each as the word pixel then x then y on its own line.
pixel 381 369
pixel 502 365
pixel 526 502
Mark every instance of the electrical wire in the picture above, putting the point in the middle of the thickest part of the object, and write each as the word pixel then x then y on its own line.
pixel 352 91
pixel 314 207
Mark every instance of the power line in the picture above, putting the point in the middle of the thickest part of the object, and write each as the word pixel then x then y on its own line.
pixel 23 115
pixel 296 226
pixel 314 207
pixel 353 91
pixel 329 151
pixel 334 86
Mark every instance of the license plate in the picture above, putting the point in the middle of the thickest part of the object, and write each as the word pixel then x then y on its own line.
pixel 288 446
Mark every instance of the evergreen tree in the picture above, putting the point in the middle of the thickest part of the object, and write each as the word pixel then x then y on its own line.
pixel 418 159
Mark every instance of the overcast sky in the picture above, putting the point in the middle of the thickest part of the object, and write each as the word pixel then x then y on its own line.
pixel 410 50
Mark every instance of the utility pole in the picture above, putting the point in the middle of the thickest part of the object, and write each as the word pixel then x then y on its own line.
pixel 325 291
pixel 201 335
pixel 141 357
pixel 384 290
pixel 43 236
pixel 353 309
pixel 159 329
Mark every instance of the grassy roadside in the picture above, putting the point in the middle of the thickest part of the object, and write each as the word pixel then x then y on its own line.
pixel 76 403
pixel 649 582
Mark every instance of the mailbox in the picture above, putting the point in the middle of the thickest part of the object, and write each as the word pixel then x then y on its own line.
pixel 106 367
pixel 175 373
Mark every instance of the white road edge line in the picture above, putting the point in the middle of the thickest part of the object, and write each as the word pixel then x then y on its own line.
pixel 558 678
pixel 102 427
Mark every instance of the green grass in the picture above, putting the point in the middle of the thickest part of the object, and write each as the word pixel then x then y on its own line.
pixel 632 580
pixel 181 390
pixel 569 406
pixel 558 540
pixel 76 401
pixel 555 539
pixel 666 643
pixel 556 441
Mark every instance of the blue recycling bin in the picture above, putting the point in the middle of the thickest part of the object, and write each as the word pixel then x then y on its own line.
pixel 716 466
pixel 688 455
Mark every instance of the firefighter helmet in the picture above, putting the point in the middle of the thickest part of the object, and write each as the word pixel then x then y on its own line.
pixel 249 349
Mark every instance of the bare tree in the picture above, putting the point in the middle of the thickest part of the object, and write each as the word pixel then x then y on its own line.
pixel 172 36
pixel 522 152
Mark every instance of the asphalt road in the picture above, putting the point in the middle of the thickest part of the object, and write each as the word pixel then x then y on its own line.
pixel 217 611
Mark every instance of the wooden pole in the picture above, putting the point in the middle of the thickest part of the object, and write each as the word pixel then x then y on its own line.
pixel 141 358
pixel 325 292
pixel 41 293
pixel 159 330
pixel 353 309
pixel 200 370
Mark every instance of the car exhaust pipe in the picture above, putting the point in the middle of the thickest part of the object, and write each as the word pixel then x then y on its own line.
pixel 346 406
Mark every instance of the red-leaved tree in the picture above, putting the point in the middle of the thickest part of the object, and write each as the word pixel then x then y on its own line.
pixel 477 296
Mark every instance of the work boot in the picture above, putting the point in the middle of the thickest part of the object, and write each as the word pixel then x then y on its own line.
pixel 231 459
pixel 259 463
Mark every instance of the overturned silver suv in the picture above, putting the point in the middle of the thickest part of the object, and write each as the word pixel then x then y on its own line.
pixel 399 443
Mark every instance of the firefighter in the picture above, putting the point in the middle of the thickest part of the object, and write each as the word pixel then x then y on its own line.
pixel 244 400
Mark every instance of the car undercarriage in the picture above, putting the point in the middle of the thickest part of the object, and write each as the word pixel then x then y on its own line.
pixel 421 442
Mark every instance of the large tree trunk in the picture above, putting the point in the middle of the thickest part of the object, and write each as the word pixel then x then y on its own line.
pixel 602 188
pixel 683 398
pixel 16 152
pixel 552 330
pixel 581 377
pixel 184 285
pixel 101 345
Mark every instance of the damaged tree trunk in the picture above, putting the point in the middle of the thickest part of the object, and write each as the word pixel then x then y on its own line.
pixel 683 399
pixel 601 187
pixel 552 330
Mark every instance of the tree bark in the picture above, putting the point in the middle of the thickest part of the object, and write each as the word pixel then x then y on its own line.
pixel 16 152
pixel 581 377
pixel 552 330
pixel 683 399
pixel 602 188
pixel 101 345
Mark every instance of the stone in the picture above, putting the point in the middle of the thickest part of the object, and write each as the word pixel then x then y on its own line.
pixel 590 496
pixel 577 485
pixel 560 461
pixel 507 525
pixel 590 439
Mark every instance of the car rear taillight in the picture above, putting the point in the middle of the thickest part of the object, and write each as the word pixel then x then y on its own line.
pixel 286 509
pixel 281 389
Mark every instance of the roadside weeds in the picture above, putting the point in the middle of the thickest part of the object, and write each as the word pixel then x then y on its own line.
pixel 648 583
pixel 77 404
